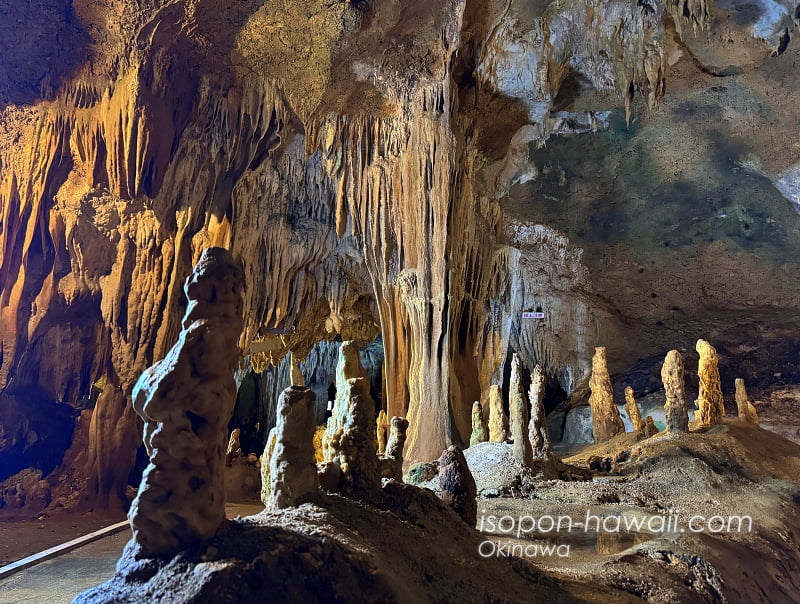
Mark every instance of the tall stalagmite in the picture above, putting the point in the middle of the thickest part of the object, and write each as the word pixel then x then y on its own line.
pixel 480 429
pixel 498 421
pixel 675 407
pixel 709 400
pixel 746 409
pixel 186 400
pixel 519 415
pixel 633 410
pixel 538 433
pixel 382 428
pixel 392 461
pixel 606 422
pixel 292 465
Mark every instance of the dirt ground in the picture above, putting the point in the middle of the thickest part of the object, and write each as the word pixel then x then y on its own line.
pixel 20 538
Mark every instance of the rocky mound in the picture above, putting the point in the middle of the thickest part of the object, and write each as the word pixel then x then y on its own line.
pixel 337 550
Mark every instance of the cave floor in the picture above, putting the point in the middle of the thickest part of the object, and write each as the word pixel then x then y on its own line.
pixel 64 577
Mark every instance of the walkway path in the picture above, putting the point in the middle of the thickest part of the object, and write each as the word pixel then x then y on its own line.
pixel 59 580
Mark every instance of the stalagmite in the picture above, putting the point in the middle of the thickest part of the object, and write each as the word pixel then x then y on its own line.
pixel 633 410
pixel 538 434
pixel 709 400
pixel 349 443
pixel 498 422
pixel 650 428
pixel 234 447
pixel 606 422
pixel 480 431
pixel 458 485
pixel 293 469
pixel 295 374
pixel 675 408
pixel 747 411
pixel 186 400
pixel 382 431
pixel 518 407
pixel 392 461
pixel 266 472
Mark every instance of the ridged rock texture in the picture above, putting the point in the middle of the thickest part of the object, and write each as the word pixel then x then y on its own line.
pixel 676 411
pixel 186 400
pixel 710 404
pixel 606 422
pixel 395 168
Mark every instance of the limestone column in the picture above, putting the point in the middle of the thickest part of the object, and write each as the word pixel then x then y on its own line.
pixel 747 411
pixel 675 407
pixel 292 465
pixel 480 430
pixel 709 400
pixel 392 462
pixel 519 414
pixel 606 422
pixel 633 410
pixel 538 434
pixel 382 431
pixel 498 422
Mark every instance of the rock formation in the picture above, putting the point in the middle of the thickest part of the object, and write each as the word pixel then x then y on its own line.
pixel 458 485
pixel 518 407
pixel 234 447
pixel 112 448
pixel 292 466
pixel 480 430
pixel 498 422
pixel 349 443
pixel 746 409
pixel 295 374
pixel 382 431
pixel 709 400
pixel 606 422
pixel 676 412
pixel 368 194
pixel 650 428
pixel 633 410
pixel 266 466
pixel 185 401
pixel 538 433
pixel 392 461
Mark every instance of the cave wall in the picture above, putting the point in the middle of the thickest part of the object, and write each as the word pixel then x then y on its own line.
pixel 375 167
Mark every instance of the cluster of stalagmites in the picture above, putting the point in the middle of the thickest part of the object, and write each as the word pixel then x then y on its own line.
pixel 187 398
pixel 527 425
pixel 350 443
pixel 607 423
